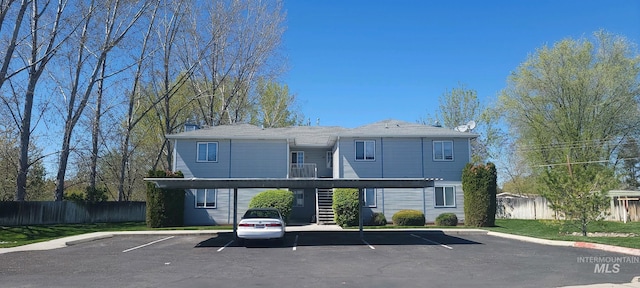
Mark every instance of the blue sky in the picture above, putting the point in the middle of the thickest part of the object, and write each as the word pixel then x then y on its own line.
pixel 356 62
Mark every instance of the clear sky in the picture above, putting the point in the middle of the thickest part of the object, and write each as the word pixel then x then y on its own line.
pixel 356 62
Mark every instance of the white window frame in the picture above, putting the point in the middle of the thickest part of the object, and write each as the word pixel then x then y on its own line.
pixel 444 196
pixel 299 155
pixel 442 150
pixel 375 198
pixel 364 148
pixel 298 197
pixel 208 144
pixel 205 204
pixel 329 159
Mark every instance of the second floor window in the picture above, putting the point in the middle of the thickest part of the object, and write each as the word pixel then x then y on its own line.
pixel 443 150
pixel 207 151
pixel 365 150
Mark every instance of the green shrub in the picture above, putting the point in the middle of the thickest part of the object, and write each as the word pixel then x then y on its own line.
pixel 447 219
pixel 345 206
pixel 378 219
pixel 165 207
pixel 408 218
pixel 479 183
pixel 279 199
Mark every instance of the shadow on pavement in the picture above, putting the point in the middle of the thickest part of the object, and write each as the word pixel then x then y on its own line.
pixel 346 238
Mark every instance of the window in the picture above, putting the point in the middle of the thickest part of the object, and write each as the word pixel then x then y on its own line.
pixel 298 198
pixel 365 150
pixel 206 198
pixel 369 197
pixel 207 151
pixel 297 157
pixel 443 150
pixel 445 196
pixel 329 159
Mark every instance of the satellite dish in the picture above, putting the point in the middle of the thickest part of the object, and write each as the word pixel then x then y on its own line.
pixel 471 124
pixel 461 128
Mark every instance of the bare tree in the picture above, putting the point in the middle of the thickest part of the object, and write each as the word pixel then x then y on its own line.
pixel 27 54
pixel 110 20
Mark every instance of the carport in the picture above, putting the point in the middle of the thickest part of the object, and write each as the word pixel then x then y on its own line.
pixel 291 183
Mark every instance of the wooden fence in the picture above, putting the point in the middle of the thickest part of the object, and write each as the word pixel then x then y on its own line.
pixel 538 208
pixel 67 212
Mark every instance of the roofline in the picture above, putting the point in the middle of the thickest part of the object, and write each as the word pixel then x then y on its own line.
pixel 197 137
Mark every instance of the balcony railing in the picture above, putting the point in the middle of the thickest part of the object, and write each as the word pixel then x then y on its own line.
pixel 306 170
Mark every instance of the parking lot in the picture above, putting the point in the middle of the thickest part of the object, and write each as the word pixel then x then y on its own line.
pixel 309 259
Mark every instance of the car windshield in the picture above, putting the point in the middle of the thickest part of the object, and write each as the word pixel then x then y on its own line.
pixel 262 214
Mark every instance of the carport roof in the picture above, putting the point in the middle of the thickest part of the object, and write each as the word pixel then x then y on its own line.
pixel 293 183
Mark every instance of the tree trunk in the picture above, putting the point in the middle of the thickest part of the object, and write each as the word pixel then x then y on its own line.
pixel 25 139
pixel 62 168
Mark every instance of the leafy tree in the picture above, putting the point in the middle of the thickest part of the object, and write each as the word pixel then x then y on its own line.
pixel 460 105
pixel 569 106
pixel 630 157
pixel 275 106
pixel 479 183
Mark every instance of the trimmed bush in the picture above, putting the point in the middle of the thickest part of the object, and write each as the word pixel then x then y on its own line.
pixel 165 207
pixel 378 219
pixel 345 206
pixel 447 219
pixel 479 183
pixel 279 199
pixel 408 218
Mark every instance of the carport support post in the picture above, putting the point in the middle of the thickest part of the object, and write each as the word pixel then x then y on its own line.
pixel 360 221
pixel 235 212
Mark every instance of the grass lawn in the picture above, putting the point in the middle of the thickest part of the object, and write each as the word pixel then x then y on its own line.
pixel 557 230
pixel 22 235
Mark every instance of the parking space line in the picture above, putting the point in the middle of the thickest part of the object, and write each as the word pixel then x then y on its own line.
pixel 432 242
pixel 365 242
pixel 145 245
pixel 225 246
pixel 295 243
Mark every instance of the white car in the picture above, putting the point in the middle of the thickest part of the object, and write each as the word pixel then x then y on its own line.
pixel 261 223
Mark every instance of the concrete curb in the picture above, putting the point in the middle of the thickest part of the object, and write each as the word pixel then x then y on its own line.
pixel 609 248
pixel 532 239
pixel 588 245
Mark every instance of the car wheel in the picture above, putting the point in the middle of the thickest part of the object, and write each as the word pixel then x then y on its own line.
pixel 240 241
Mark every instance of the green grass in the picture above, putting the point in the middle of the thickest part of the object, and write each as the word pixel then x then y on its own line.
pixel 559 230
pixel 22 235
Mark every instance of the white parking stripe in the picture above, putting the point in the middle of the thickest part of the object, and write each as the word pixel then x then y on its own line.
pixel 225 246
pixel 365 242
pixel 295 243
pixel 432 242
pixel 145 245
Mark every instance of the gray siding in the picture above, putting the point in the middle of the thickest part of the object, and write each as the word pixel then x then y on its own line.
pixel 236 159
pixel 259 159
pixel 304 214
pixel 433 212
pixel 186 160
pixel 223 213
pixel 401 157
pixel 447 170
pixel 359 169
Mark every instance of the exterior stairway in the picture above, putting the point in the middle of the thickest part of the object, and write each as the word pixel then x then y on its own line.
pixel 325 209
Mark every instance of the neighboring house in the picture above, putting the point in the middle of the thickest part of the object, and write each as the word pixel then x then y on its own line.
pixel 386 149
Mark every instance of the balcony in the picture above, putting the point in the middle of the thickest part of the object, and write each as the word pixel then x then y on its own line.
pixel 306 170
